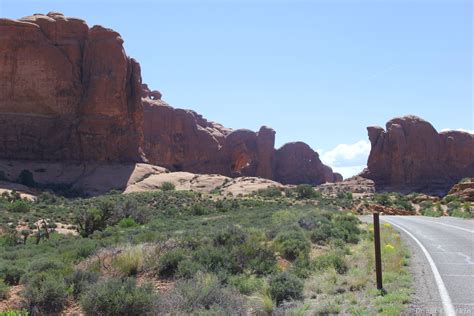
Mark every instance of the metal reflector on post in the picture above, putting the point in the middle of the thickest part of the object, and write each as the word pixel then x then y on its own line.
pixel 378 255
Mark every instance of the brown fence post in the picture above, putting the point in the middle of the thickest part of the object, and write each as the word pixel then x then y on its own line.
pixel 378 255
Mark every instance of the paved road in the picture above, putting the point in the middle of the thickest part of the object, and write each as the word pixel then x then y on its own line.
pixel 446 264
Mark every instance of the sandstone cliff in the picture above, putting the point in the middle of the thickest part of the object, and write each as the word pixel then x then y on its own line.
pixel 67 92
pixel 410 155
pixel 182 140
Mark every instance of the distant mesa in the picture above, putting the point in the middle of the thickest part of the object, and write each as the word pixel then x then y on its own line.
pixel 69 93
pixel 411 156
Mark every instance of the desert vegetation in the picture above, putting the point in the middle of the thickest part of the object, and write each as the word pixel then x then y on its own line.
pixel 277 251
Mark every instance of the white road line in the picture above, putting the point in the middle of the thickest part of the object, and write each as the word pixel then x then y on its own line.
pixel 457 227
pixel 443 292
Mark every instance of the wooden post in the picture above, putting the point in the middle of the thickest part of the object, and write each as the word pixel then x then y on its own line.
pixel 378 255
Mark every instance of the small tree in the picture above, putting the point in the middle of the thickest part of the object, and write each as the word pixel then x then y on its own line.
pixel 167 186
pixel 305 191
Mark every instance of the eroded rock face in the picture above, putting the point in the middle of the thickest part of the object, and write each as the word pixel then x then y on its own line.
pixel 182 140
pixel 298 163
pixel 464 190
pixel 67 92
pixel 410 155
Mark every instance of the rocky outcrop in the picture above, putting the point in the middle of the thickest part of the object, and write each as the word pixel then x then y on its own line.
pixel 67 92
pixel 182 140
pixel 464 190
pixel 410 155
pixel 298 163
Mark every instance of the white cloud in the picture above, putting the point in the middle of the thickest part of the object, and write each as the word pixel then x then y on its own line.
pixel 347 159
pixel 470 131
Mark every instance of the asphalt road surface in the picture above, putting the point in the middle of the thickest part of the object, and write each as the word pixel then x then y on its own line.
pixel 442 263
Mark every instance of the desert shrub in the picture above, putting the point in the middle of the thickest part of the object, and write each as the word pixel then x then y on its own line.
pixel 15 312
pixel 129 261
pixel 246 284
pixel 284 218
pixel 118 297
pixel 127 223
pixel 306 191
pixel 270 192
pixel 168 262
pixel 11 274
pixel 26 178
pixel 230 236
pixel 333 259
pixel 130 209
pixel 45 292
pixel 93 219
pixel 255 257
pixel 188 268
pixel 292 243
pixel 285 287
pixel 214 259
pixel 167 186
pixel 45 264
pixel 302 267
pixel 19 206
pixel 203 293
pixel 198 209
pixel 383 199
pixel 346 228
pixel 321 235
pixel 79 281
pixel 4 289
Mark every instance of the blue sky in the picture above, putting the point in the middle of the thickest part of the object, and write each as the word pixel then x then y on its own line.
pixel 316 71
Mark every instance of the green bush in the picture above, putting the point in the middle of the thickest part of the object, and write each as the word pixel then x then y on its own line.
pixel 214 259
pixel 285 287
pixel 45 292
pixel 332 259
pixel 118 297
pixel 246 284
pixel 4 289
pixel 198 209
pixel 230 236
pixel 168 262
pixel 11 274
pixel 254 256
pixel 167 186
pixel 292 243
pixel 129 261
pixel 270 192
pixel 127 222
pixel 203 294
pixel 80 281
pixel 188 268
pixel 321 235
pixel 19 206
pixel 306 191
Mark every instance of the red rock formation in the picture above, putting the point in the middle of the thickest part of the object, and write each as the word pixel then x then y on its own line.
pixel 70 93
pixel 412 156
pixel 298 163
pixel 183 140
pixel 464 190
pixel 67 92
